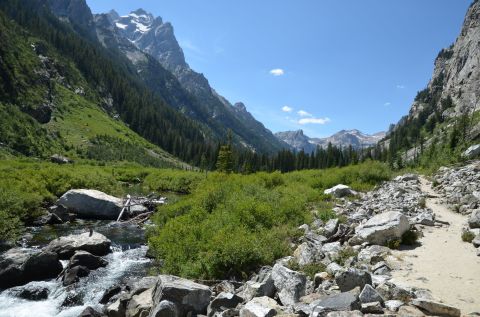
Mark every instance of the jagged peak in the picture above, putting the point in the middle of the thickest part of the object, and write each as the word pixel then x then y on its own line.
pixel 240 106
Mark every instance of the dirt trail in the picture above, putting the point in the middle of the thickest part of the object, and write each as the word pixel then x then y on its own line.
pixel 444 264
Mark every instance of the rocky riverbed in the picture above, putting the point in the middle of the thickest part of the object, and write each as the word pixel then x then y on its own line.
pixel 353 269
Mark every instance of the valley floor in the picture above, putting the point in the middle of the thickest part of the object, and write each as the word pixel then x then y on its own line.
pixel 443 263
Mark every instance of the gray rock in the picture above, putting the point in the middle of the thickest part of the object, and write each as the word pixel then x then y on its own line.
pixel 188 296
pixel 59 159
pixel 381 228
pixel 406 178
pixel 409 311
pixel 354 313
pixel 47 219
pixel 223 301
pixel 140 305
pixel 73 275
pixel 117 309
pixel 381 268
pixel 434 308
pixel 290 285
pixel 333 268
pixel 110 293
pixel 261 285
pixel 260 307
pixel 393 305
pixel 340 191
pixel 65 247
pixel 472 151
pixel 350 278
pixel 33 292
pixel 391 291
pixel 474 219
pixel 87 259
pixel 90 312
pixel 165 309
pixel 373 254
pixel 369 295
pixel 337 302
pixel 331 227
pixel 91 204
pixel 372 308
pixel 306 253
pixel 426 218
pixel 20 266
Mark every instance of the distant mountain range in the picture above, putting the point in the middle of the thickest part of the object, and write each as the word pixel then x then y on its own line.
pixel 355 138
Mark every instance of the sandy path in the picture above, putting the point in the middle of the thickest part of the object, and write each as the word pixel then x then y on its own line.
pixel 444 264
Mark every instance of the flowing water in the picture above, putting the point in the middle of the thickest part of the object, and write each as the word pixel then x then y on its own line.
pixel 126 261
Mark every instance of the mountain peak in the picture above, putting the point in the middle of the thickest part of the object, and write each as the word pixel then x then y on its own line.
pixel 240 106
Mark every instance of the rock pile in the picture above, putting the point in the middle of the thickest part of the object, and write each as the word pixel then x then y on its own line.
pixel 460 189
pixel 348 257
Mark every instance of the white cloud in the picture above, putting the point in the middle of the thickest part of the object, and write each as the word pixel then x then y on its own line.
pixel 303 113
pixel 313 121
pixel 188 45
pixel 277 72
pixel 287 109
pixel 387 104
pixel 400 87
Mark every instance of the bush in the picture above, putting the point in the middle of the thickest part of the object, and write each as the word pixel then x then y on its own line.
pixel 344 255
pixel 410 237
pixel 468 236
pixel 309 269
pixel 393 244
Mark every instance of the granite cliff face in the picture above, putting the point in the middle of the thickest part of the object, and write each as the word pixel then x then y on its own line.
pixel 457 74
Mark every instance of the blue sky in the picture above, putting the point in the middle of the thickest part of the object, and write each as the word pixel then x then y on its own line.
pixel 329 64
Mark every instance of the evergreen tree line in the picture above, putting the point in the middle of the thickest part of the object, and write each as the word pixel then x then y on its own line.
pixel 231 160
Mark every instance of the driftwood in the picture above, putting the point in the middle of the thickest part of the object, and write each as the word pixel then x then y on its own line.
pixel 150 202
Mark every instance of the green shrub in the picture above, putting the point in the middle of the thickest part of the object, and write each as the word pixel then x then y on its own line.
pixel 344 255
pixel 422 202
pixel 309 269
pixel 393 244
pixel 410 237
pixel 468 236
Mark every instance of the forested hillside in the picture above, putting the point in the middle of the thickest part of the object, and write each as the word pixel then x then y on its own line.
pixel 45 63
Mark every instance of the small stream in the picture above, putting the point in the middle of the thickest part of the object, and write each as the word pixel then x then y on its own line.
pixel 125 262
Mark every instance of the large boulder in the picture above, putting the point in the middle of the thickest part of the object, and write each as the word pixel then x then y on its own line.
pixel 291 285
pixel 33 292
pixel 370 295
pixel 381 228
pixel 84 258
pixel 474 219
pixel 340 191
pixel 19 266
pixel 351 278
pixel 91 204
pixel 307 253
pixel 260 307
pixel 338 302
pixel 90 312
pixel 73 275
pixel 434 308
pixel 140 304
pixel 187 296
pixel 222 302
pixel 65 247
pixel 472 151
pixel 260 285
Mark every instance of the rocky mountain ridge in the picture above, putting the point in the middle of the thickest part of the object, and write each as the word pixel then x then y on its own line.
pixel 156 38
pixel 357 139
